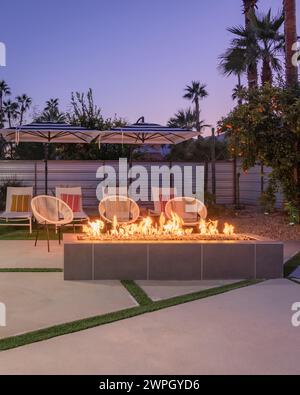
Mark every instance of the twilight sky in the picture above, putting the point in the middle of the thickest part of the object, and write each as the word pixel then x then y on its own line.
pixel 137 55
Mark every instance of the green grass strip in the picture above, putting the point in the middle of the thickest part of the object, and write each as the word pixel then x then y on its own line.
pixel 87 323
pixel 30 270
pixel 291 265
pixel 137 292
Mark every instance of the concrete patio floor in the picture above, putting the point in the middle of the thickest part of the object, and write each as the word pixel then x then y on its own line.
pixel 246 331
pixel 38 300
pixel 158 290
pixel 23 254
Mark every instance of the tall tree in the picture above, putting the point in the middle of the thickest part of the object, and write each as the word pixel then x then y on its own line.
pixel 233 62
pixel 24 103
pixel 184 119
pixel 4 91
pixel 270 42
pixel 51 112
pixel 290 30
pixel 261 41
pixel 196 92
pixel 249 7
pixel 10 109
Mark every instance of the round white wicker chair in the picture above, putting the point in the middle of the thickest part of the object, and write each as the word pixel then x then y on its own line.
pixel 191 210
pixel 123 208
pixel 49 210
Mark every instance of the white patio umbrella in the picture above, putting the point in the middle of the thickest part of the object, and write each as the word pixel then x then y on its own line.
pixel 47 133
pixel 142 133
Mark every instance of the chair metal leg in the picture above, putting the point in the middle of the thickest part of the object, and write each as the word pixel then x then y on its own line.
pixel 37 234
pixel 59 235
pixel 48 242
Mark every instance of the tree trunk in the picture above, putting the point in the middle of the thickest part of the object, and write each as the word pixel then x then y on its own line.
pixel 290 30
pixel 248 5
pixel 213 164
pixel 21 117
pixel 197 110
pixel 266 76
pixel 252 73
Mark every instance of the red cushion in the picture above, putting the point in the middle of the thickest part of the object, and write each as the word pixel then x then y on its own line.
pixel 73 201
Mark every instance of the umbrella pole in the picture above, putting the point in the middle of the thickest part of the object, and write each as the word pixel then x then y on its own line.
pixel 46 151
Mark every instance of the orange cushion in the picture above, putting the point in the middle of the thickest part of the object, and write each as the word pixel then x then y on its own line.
pixel 20 203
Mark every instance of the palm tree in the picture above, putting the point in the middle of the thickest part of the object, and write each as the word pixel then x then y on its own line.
pixel 249 6
pixel 24 103
pixel 51 112
pixel 238 93
pixel 52 104
pixel 290 30
pixel 246 46
pixel 233 62
pixel 11 110
pixel 4 91
pixel 271 42
pixel 195 92
pixel 260 40
pixel 184 119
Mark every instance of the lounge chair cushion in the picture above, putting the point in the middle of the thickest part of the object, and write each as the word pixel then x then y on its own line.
pixel 20 203
pixel 73 201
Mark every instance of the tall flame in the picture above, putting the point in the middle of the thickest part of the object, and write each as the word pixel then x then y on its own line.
pixel 228 229
pixel 164 229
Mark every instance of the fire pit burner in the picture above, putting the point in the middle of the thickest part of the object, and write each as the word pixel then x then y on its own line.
pixel 172 229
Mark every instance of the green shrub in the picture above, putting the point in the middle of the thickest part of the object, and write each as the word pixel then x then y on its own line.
pixel 267 201
pixel 293 212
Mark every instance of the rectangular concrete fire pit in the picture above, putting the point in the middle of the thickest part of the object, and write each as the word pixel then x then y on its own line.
pixel 171 260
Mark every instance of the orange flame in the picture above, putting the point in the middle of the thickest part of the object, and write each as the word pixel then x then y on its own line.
pixel 164 229
pixel 228 229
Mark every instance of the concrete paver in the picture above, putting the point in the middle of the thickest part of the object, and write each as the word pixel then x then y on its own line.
pixel 38 300
pixel 246 331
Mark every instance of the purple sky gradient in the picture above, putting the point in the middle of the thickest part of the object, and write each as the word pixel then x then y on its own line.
pixel 137 55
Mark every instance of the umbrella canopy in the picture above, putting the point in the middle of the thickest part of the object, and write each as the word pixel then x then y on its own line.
pixel 49 132
pixel 146 133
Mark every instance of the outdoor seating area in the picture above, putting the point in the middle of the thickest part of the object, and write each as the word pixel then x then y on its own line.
pixel 66 209
pixel 149 191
